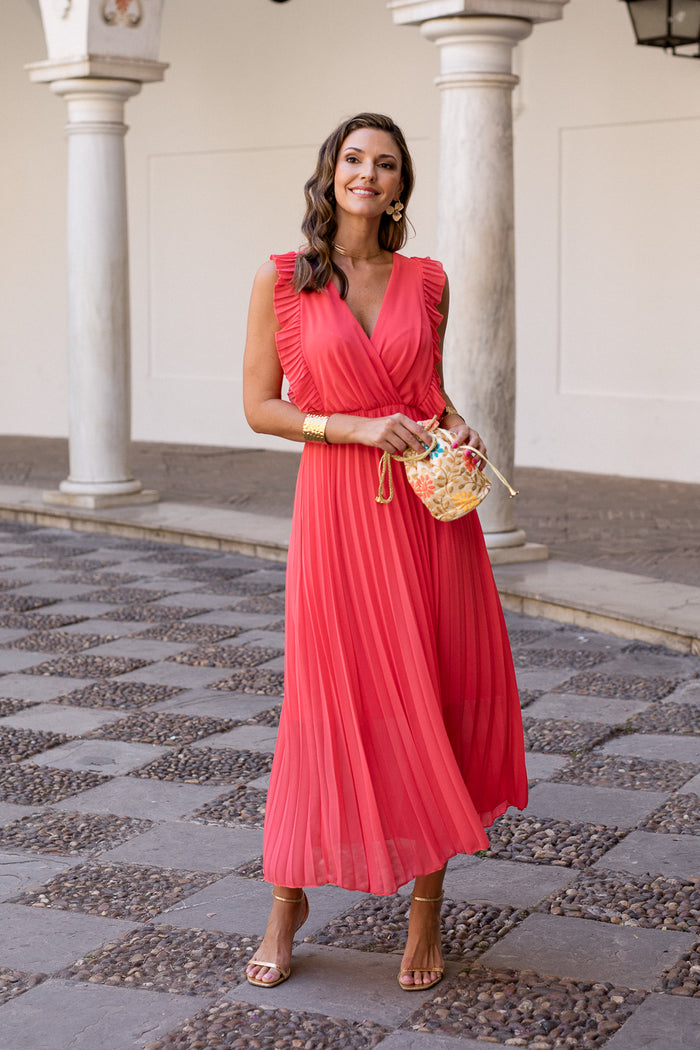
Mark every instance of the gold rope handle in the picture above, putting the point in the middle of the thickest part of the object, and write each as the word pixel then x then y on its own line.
pixel 511 491
pixel 409 456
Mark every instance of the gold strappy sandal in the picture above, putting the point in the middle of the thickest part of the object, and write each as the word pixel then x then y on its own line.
pixel 439 970
pixel 283 974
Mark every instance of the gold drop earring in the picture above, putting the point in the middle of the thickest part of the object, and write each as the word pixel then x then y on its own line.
pixel 395 209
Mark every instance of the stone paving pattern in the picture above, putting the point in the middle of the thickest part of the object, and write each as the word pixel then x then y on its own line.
pixel 140 689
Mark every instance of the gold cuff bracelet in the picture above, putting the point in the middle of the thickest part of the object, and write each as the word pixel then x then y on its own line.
pixel 314 428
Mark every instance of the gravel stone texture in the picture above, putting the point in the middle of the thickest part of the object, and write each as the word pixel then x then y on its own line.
pixel 679 815
pixel 17 744
pixel 683 978
pixel 48 546
pixel 207 573
pixel 252 869
pixel 576 659
pixel 271 604
pixel 269 717
pixel 30 785
pixel 667 718
pixel 525 636
pixel 278 625
pixel 58 642
pixel 9 585
pixel 76 666
pixel 168 959
pixel 252 680
pixel 206 765
pixel 116 891
pixel 151 613
pixel 122 595
pixel 14 983
pixel 240 1026
pixel 247 588
pixel 11 706
pixel 618 687
pixel 226 656
pixel 544 840
pixel 563 737
pixel 644 774
pixel 85 565
pixel 657 903
pixel 25 602
pixel 179 555
pixel 528 696
pixel 204 633
pixel 245 805
pixel 121 696
pixel 98 578
pixel 34 621
pixel 162 727
pixel 526 1009
pixel 379 924
pixel 70 834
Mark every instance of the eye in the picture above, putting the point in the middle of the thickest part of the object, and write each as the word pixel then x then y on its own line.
pixel 351 159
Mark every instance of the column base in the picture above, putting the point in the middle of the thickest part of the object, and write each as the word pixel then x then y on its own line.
pixel 513 555
pixel 97 501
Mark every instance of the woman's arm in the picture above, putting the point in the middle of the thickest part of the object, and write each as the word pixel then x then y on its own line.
pixel 452 420
pixel 268 413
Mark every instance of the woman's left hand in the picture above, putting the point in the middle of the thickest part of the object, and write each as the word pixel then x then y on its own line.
pixel 464 434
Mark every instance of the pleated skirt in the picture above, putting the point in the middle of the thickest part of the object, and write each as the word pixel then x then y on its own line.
pixel 401 736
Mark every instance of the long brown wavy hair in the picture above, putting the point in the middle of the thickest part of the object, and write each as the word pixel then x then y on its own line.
pixel 314 265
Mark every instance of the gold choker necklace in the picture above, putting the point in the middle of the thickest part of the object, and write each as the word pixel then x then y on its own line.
pixel 358 258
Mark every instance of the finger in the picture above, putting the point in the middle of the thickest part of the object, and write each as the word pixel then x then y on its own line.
pixel 414 436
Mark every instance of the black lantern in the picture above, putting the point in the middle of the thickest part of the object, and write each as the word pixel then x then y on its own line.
pixel 670 24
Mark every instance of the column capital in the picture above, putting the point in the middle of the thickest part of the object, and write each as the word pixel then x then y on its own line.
pixel 95 104
pixel 413 12
pixel 476 49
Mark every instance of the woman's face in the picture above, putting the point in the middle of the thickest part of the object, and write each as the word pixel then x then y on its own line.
pixel 367 173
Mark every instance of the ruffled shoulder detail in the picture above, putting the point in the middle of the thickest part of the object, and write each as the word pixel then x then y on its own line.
pixel 287 304
pixel 433 287
pixel 286 301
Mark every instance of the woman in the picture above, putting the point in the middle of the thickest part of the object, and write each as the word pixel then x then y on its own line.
pixel 400 737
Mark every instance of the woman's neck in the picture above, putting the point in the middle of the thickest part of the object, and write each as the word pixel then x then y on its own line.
pixel 357 241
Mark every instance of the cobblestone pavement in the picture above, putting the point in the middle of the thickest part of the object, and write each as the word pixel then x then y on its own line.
pixel 140 687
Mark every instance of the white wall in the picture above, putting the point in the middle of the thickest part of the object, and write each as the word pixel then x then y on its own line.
pixel 608 248
pixel 607 221
pixel 32 236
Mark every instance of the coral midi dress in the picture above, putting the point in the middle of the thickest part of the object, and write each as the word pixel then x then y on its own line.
pixel 401 736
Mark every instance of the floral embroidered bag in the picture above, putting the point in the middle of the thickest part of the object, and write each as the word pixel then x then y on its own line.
pixel 446 479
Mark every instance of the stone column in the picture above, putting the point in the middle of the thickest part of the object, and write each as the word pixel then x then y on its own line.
pixel 98 296
pixel 475 237
pixel 99 54
pixel 476 223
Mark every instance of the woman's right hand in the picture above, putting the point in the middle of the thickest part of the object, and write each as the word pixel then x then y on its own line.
pixel 394 433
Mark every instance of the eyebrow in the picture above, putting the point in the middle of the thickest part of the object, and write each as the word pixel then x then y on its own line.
pixel 358 149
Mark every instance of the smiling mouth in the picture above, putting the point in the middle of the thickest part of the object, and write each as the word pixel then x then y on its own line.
pixel 363 192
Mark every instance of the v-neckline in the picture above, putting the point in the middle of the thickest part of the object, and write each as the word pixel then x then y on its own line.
pixel 370 338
